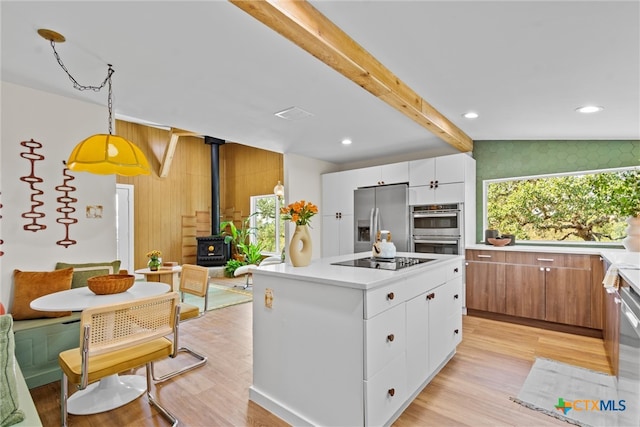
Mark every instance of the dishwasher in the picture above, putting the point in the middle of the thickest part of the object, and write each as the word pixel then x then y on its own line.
pixel 629 357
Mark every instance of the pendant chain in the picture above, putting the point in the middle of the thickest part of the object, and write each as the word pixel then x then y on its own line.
pixel 93 88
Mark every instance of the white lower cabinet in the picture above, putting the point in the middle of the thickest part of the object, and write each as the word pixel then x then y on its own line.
pixel 386 392
pixel 325 354
pixel 384 339
pixel 409 341
pixel 417 341
pixel 434 329
pixel 445 331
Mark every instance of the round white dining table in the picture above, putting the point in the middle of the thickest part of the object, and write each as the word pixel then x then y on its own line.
pixel 77 299
pixel 115 390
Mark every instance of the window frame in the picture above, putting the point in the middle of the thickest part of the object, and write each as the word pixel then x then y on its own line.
pixel 485 190
pixel 253 222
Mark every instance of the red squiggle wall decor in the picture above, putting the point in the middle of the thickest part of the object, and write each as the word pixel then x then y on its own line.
pixel 66 201
pixel 1 241
pixel 33 215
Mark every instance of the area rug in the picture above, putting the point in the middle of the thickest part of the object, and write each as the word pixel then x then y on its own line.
pixel 573 394
pixel 221 296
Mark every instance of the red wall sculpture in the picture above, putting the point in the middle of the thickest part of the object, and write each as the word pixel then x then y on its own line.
pixel 32 180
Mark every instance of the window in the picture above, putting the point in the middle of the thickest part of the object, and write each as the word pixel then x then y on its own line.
pixel 563 208
pixel 268 226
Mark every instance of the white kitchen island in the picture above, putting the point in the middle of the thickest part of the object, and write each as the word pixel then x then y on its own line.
pixel 348 346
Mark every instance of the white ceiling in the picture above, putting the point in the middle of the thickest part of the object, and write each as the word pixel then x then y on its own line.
pixel 210 68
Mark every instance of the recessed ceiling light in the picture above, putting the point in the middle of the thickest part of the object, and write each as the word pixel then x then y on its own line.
pixel 470 115
pixel 589 109
pixel 346 141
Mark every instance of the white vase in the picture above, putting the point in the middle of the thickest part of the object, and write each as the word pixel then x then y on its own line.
pixel 632 241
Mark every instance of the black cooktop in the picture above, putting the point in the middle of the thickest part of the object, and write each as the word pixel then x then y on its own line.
pixel 396 263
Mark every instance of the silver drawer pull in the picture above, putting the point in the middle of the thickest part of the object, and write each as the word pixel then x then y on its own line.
pixel 484 256
pixel 546 259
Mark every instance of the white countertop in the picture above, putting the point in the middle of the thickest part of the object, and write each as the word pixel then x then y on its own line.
pixel 628 263
pixel 321 270
pixel 579 250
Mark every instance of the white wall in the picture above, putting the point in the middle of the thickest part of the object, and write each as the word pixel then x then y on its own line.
pixel 58 123
pixel 303 181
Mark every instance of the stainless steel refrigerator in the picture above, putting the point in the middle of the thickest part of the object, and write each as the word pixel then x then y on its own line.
pixel 381 208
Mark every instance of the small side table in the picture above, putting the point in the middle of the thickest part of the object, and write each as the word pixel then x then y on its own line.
pixel 170 276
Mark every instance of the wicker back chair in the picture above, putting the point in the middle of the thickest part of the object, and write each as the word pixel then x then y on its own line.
pixel 194 280
pixel 119 337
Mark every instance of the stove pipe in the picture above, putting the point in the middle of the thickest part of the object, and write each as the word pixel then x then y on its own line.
pixel 215 144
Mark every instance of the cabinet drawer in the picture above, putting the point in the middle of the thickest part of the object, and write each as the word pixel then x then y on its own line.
pixel 549 259
pixel 485 256
pixel 453 271
pixel 381 299
pixel 385 339
pixel 419 284
pixel 452 295
pixel 385 392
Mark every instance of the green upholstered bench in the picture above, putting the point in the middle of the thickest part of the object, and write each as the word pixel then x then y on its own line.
pixel 38 343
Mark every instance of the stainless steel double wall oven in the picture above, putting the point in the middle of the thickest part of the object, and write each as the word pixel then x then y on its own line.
pixel 437 229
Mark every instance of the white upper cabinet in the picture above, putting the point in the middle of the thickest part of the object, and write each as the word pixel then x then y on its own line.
pixel 337 192
pixel 446 179
pixel 392 173
pixel 438 170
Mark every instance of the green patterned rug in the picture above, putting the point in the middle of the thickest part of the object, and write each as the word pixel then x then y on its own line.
pixel 221 296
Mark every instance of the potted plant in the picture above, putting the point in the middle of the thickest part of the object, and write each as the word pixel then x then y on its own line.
pixel 237 236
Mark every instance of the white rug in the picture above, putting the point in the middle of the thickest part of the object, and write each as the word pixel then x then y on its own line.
pixel 576 395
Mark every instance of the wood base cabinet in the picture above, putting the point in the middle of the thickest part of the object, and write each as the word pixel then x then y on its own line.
pixel 550 287
pixel 485 278
pixel 525 296
pixel 611 327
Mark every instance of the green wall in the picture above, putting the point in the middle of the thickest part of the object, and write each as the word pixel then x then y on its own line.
pixel 505 159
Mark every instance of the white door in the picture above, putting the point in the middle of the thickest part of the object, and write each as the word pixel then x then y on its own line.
pixel 124 226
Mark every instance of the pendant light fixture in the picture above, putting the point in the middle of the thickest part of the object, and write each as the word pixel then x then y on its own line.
pixel 278 190
pixel 102 154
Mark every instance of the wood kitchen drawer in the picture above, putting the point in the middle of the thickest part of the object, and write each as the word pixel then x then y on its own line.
pixel 485 256
pixel 383 298
pixel 385 339
pixel 385 393
pixel 549 259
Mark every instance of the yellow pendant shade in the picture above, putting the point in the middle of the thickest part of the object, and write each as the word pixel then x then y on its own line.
pixel 107 154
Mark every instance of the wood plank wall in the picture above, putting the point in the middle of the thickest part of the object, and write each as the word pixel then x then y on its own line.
pixel 160 203
pixel 247 172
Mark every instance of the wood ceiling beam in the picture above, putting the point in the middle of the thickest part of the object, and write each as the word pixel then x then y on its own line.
pixel 170 150
pixel 304 25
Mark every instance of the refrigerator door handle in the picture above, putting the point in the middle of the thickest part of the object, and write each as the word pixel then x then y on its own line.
pixel 372 231
pixel 376 225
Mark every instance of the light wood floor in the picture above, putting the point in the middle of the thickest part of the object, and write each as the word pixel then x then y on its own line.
pixel 491 365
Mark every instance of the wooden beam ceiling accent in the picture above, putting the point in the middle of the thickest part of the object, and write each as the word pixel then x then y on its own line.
pixel 170 150
pixel 304 25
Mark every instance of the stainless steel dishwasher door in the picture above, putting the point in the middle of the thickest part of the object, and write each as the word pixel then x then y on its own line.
pixel 629 357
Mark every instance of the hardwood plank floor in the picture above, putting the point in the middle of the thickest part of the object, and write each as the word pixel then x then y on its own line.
pixel 472 390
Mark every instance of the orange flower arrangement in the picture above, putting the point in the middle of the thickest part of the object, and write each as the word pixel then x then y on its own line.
pixel 299 212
